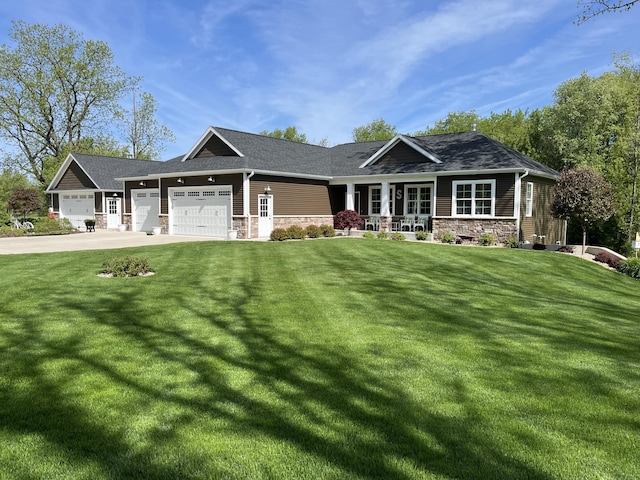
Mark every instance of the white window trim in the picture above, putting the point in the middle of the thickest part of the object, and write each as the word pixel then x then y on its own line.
pixel 473 183
pixel 405 205
pixel 528 209
pixel 371 190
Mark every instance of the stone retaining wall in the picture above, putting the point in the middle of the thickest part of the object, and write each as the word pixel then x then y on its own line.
pixel 474 227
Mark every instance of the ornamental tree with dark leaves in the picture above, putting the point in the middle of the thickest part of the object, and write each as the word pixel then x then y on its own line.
pixel 347 219
pixel 24 201
pixel 583 196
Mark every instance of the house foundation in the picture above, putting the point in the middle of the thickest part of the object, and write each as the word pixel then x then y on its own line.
pixel 501 229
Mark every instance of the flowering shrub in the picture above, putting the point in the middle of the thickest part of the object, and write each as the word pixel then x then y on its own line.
pixel 347 219
pixel 565 249
pixel 398 236
pixel 382 235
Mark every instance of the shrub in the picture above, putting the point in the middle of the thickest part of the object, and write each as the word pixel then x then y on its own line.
pixel 278 235
pixel 368 234
pixel 486 239
pixel 313 231
pixel 347 219
pixel 127 266
pixel 565 249
pixel 398 236
pixel 327 230
pixel 630 267
pixel 512 242
pixel 447 237
pixel 539 246
pixel 421 235
pixel 382 235
pixel 52 226
pixel 296 232
pixel 7 231
pixel 606 257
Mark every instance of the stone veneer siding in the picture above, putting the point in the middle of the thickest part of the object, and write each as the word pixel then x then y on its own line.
pixel 502 229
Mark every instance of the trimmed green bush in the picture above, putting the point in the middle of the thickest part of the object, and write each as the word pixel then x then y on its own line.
pixel 127 266
pixel 382 235
pixel 447 237
pixel 486 239
pixel 52 226
pixel 421 235
pixel 278 235
pixel 398 236
pixel 512 242
pixel 7 231
pixel 368 234
pixel 630 267
pixel 296 232
pixel 328 230
pixel 313 231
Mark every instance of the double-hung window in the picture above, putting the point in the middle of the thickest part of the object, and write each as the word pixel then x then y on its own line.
pixel 375 200
pixel 417 200
pixel 529 200
pixel 474 198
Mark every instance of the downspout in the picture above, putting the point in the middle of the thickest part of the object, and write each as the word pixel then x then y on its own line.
pixel 519 202
pixel 247 204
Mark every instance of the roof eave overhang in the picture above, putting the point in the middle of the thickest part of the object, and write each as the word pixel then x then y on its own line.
pixel 424 176
pixel 225 172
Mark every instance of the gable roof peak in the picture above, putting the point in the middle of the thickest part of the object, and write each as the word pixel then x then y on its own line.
pixel 406 139
pixel 209 133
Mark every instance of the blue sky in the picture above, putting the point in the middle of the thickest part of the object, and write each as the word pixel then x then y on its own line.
pixel 328 66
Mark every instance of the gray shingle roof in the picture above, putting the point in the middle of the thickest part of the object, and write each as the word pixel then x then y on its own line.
pixel 468 151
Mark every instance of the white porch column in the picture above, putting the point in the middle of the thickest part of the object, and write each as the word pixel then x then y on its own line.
pixel 350 194
pixel 246 200
pixel 384 199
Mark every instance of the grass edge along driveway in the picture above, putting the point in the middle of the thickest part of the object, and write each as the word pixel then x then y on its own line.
pixel 344 358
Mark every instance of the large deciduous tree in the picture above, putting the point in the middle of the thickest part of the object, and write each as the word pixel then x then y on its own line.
pixel 377 130
pixel 55 89
pixel 290 133
pixel 593 8
pixel 142 132
pixel 583 196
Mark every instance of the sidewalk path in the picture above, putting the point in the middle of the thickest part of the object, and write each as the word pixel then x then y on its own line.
pixel 98 240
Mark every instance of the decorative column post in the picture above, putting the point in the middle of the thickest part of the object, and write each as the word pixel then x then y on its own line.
pixel 385 216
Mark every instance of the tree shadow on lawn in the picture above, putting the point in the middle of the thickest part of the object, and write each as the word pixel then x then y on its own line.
pixel 318 399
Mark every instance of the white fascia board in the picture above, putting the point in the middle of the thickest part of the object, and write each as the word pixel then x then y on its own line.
pixel 210 132
pixel 392 143
pixel 227 172
pixel 397 178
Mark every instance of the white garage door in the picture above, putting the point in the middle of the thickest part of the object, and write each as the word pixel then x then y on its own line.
pixel 146 208
pixel 76 207
pixel 201 211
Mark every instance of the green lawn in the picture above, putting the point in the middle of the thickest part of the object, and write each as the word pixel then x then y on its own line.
pixel 342 358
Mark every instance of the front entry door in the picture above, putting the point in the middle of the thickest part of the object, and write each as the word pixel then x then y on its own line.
pixel 113 212
pixel 265 215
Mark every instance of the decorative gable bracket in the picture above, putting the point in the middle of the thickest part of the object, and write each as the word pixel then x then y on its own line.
pixel 392 143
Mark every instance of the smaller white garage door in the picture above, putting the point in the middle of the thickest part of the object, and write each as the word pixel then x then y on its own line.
pixel 146 208
pixel 76 207
pixel 203 211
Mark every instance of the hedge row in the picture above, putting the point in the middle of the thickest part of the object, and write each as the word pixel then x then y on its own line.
pixel 295 232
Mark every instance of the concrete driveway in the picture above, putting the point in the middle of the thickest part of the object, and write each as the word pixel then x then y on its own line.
pixel 98 240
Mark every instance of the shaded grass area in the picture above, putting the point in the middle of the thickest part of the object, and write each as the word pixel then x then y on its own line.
pixel 341 358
